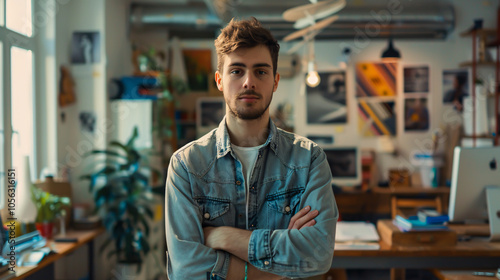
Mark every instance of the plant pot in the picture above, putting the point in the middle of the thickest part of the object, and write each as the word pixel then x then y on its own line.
pixel 45 229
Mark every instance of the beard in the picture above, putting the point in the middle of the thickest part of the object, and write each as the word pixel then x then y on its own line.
pixel 248 111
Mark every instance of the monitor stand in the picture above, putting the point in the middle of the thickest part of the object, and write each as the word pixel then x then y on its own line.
pixel 492 199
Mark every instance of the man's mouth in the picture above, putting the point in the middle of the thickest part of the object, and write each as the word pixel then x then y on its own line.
pixel 249 96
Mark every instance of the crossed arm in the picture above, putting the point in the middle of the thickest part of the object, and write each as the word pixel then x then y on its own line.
pixel 235 241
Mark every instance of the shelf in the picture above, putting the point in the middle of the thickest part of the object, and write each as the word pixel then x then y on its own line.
pixel 494 43
pixel 480 32
pixel 478 63
pixel 479 136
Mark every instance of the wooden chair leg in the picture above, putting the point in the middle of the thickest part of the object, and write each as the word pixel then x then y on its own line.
pixel 398 274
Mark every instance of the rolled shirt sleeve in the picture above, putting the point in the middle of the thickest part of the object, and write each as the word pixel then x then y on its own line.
pixel 308 251
pixel 187 256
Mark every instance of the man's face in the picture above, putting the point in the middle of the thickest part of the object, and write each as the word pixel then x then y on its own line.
pixel 247 82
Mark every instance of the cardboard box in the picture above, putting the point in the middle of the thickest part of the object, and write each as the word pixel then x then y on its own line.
pixel 390 234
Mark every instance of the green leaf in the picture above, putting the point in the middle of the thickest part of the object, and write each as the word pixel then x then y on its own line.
pixel 106 152
pixel 105 245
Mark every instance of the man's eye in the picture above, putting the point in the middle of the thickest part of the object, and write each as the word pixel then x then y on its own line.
pixel 236 72
pixel 262 72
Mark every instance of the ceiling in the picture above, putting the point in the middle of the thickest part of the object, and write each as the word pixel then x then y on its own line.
pixel 198 19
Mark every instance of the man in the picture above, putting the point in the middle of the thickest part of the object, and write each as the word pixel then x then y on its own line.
pixel 248 200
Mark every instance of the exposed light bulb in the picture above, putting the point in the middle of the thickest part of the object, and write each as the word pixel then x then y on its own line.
pixel 312 78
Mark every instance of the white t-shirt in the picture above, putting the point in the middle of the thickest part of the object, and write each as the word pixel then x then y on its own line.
pixel 247 157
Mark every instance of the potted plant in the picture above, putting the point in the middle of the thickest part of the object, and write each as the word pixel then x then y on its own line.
pixel 49 207
pixel 122 196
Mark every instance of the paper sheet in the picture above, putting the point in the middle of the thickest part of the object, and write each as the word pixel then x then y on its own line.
pixel 356 231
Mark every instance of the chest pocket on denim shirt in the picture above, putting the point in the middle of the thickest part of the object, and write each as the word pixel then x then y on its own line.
pixel 214 211
pixel 282 206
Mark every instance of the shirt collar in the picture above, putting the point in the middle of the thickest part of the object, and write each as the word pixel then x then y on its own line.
pixel 224 144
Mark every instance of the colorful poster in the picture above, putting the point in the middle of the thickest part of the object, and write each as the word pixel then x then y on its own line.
pixel 376 118
pixel 416 114
pixel 199 68
pixel 375 79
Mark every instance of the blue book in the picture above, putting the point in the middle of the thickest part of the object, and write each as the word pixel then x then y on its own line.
pixel 432 217
pixel 412 223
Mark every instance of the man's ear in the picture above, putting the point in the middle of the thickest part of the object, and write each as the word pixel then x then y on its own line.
pixel 276 81
pixel 218 80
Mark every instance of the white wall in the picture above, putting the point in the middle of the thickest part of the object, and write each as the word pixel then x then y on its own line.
pixel 73 142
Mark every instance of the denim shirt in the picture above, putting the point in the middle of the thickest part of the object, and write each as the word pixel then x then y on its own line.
pixel 206 187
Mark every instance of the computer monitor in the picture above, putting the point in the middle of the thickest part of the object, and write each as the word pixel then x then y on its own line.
pixel 345 164
pixel 475 180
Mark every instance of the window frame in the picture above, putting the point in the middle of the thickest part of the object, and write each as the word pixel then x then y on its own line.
pixel 11 39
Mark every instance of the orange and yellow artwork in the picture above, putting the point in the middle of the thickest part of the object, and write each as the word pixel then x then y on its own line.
pixel 376 79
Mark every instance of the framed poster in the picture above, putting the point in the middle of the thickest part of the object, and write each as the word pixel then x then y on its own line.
pixel 198 64
pixel 326 103
pixel 376 118
pixel 376 79
pixel 416 79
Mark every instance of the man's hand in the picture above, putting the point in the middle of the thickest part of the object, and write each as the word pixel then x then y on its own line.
pixel 303 218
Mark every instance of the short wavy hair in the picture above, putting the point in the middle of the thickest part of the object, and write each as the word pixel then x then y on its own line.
pixel 245 34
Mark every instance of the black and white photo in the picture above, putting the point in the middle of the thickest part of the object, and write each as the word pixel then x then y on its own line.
pixel 326 103
pixel 416 79
pixel 85 48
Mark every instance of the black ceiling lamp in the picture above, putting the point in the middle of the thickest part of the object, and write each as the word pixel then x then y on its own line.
pixel 391 53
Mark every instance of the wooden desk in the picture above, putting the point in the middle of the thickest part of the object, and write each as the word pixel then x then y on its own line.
pixel 85 237
pixel 474 254
pixel 462 275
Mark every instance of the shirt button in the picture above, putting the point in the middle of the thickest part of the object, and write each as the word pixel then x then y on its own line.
pixel 260 156
pixel 287 209
pixel 266 263
pixel 238 183
pixel 207 215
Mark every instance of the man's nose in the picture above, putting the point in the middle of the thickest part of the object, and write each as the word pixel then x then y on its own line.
pixel 249 81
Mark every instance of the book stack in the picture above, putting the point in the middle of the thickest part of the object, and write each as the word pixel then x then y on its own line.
pixel 425 220
pixel 4 270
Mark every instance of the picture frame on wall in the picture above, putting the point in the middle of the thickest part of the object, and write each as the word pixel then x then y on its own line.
pixel 198 63
pixel 327 103
pixel 376 79
pixel 85 47
pixel 376 117
pixel 417 117
pixel 416 79
pixel 209 113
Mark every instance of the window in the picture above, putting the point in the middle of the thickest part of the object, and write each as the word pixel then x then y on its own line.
pixel 21 106
pixel 19 16
pixel 2 142
pixel 2 14
pixel 17 53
